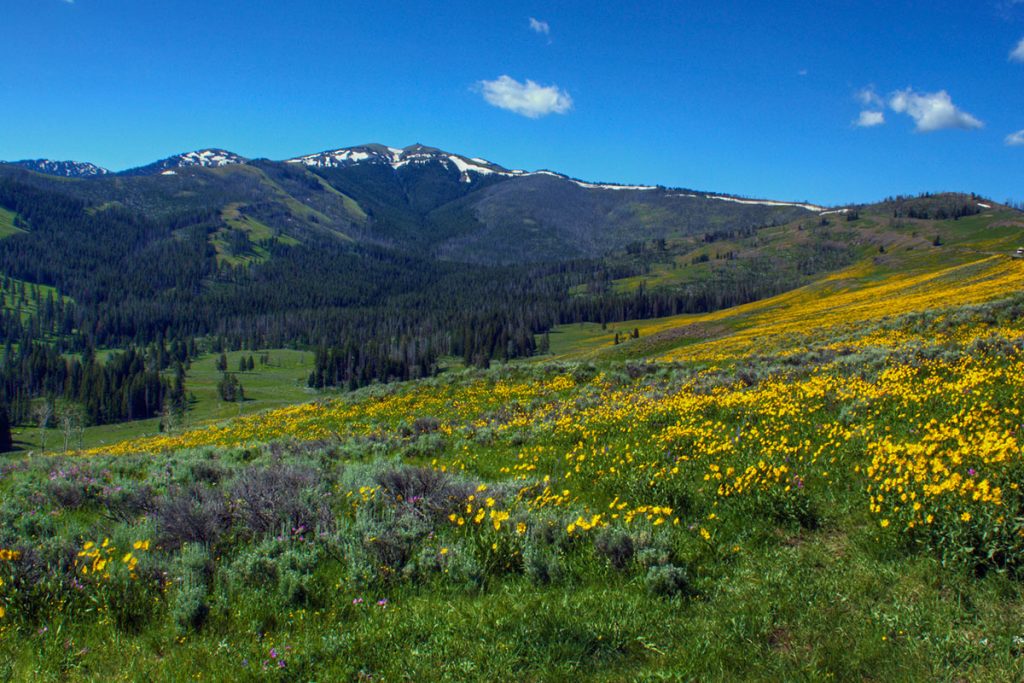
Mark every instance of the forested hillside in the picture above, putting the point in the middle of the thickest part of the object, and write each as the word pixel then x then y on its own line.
pixel 386 261
pixel 701 495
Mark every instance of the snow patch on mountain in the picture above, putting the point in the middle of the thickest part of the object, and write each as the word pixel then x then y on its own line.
pixel 582 183
pixel 201 158
pixel 64 169
pixel 471 167
pixel 767 202
pixel 465 167
pixel 399 158
pixel 606 186
pixel 335 159
pixel 208 158
pixel 468 167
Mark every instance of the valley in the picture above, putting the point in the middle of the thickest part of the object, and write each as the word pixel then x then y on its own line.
pixel 688 446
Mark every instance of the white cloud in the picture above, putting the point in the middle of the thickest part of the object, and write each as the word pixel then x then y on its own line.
pixel 538 26
pixel 1017 54
pixel 870 119
pixel 1015 139
pixel 931 111
pixel 802 72
pixel 528 99
pixel 869 98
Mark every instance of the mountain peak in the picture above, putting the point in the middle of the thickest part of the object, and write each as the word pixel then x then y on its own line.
pixel 397 158
pixel 64 169
pixel 211 157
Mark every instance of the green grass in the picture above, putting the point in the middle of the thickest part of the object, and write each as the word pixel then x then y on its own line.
pixel 11 300
pixel 587 341
pixel 804 585
pixel 351 205
pixel 771 599
pixel 304 213
pixel 280 383
pixel 7 227
pixel 908 248
pixel 254 232
pixel 801 614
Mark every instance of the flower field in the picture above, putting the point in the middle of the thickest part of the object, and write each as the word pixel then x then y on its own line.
pixel 847 464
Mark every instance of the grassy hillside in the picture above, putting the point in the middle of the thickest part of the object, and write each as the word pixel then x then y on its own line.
pixel 824 484
pixel 281 381
pixel 22 296
pixel 7 227
pixel 900 271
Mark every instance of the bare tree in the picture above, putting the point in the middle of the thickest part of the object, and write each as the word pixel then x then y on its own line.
pixel 170 418
pixel 42 412
pixel 70 419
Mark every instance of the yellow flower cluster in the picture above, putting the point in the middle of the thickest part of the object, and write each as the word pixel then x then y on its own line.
pixel 478 513
pixel 583 524
pixel 505 400
pixel 655 514
pixel 363 495
pixel 96 559
pixel 833 313
pixel 954 465
pixel 922 440
pixel 7 555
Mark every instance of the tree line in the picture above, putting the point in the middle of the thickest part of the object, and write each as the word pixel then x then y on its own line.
pixel 127 279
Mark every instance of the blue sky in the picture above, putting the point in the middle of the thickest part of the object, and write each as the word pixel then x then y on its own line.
pixel 751 98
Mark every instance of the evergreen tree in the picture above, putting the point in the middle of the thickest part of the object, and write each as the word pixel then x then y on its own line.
pixel 6 440
pixel 229 388
pixel 545 343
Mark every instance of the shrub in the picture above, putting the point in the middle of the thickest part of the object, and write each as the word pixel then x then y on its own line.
pixel 616 547
pixel 389 536
pixel 426 446
pixel 429 490
pixel 668 581
pixel 194 562
pixel 788 507
pixel 207 472
pixel 464 569
pixel 191 607
pixel 638 370
pixel 652 548
pixel 425 425
pixel 121 581
pixel 127 503
pixel 275 498
pixel 281 569
pixel 542 563
pixel 583 373
pixel 193 515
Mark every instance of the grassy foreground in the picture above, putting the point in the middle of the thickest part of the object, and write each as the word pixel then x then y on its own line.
pixel 827 485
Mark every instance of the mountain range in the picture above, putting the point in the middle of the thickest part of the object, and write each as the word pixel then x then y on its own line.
pixel 397 258
pixel 421 198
